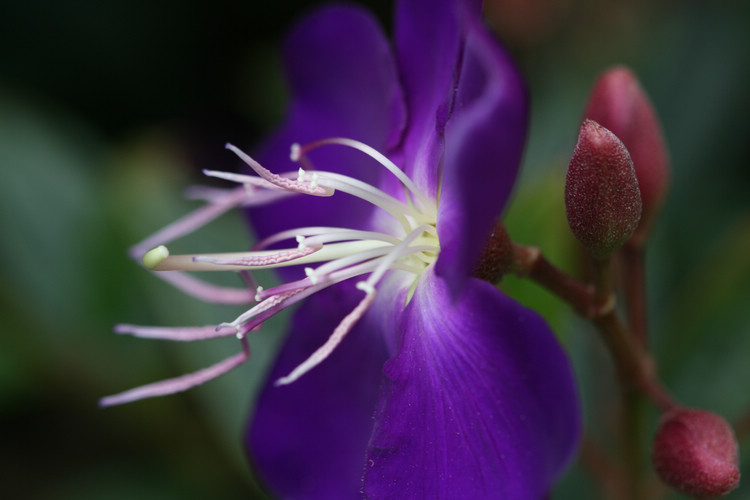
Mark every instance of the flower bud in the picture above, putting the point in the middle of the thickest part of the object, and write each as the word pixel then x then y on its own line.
pixel 497 256
pixel 618 103
pixel 602 199
pixel 695 452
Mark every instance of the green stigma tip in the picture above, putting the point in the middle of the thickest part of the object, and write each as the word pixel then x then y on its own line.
pixel 155 256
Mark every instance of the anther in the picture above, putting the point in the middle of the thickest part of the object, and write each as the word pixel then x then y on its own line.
pixel 155 256
pixel 365 287
pixel 278 180
pixel 258 291
pixel 310 273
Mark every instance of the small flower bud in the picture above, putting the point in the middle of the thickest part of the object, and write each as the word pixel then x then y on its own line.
pixel 497 256
pixel 618 103
pixel 695 452
pixel 602 199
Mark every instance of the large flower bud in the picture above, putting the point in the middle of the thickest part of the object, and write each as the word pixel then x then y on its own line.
pixel 695 452
pixel 618 103
pixel 602 199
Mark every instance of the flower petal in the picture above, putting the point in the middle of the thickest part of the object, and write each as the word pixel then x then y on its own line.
pixel 480 402
pixel 428 40
pixel 483 147
pixel 308 439
pixel 343 84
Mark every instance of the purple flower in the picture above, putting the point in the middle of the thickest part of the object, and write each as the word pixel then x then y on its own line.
pixel 402 375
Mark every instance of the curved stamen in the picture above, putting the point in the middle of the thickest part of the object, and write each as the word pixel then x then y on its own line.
pixel 207 292
pixel 260 261
pixel 247 180
pixel 343 253
pixel 158 259
pixel 179 384
pixel 190 222
pixel 299 151
pixel 343 328
pixel 255 195
pixel 313 235
pixel 304 288
pixel 266 305
pixel 322 282
pixel 367 192
pixel 180 334
pixel 278 180
pixel 322 352
pixel 399 251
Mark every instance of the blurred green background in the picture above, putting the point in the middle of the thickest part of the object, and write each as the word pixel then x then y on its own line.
pixel 108 111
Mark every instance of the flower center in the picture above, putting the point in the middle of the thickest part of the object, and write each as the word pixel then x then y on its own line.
pixel 329 255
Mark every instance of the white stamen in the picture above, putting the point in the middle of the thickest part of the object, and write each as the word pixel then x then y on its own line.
pixel 207 292
pixel 377 156
pixel 265 305
pixel 310 273
pixel 264 259
pixel 258 259
pixel 321 235
pixel 334 340
pixel 398 251
pixel 344 253
pixel 365 287
pixel 369 193
pixel 180 334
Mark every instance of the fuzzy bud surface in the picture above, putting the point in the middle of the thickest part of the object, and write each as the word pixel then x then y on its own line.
pixel 619 103
pixel 602 198
pixel 695 452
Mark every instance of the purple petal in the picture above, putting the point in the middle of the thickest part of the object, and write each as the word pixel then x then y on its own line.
pixel 483 147
pixel 308 439
pixel 428 44
pixel 343 84
pixel 480 402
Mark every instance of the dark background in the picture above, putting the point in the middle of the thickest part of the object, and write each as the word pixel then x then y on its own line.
pixel 109 109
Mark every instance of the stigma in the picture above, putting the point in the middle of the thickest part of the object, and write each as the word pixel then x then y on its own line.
pixel 406 243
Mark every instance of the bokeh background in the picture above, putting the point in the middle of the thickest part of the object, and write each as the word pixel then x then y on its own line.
pixel 108 111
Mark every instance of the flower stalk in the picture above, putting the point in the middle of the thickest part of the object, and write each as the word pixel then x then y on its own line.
pixel 634 367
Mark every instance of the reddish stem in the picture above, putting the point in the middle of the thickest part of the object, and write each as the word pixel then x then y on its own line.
pixel 634 288
pixel 634 366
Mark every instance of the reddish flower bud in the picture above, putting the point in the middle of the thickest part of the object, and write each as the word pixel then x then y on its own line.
pixel 618 103
pixel 602 199
pixel 695 452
